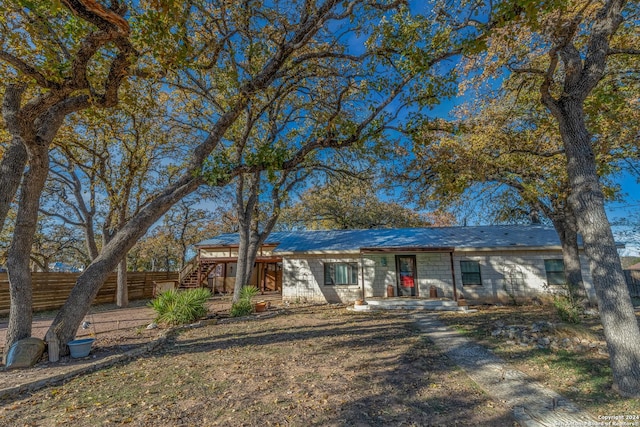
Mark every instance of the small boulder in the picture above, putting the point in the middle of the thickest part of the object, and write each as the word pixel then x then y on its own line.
pixel 25 353
pixel 544 342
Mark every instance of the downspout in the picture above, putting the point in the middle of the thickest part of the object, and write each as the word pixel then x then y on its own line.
pixel 453 278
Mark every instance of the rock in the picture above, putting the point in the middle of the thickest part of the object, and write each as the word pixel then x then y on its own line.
pixel 544 341
pixel 565 342
pixel 153 325
pixel 25 353
pixel 511 342
pixel 496 332
pixel 542 326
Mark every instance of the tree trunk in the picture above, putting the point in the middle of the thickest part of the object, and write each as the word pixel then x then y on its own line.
pixel 122 292
pixel 242 262
pixel 18 256
pixel 567 231
pixel 15 158
pixel 70 316
pixel 587 201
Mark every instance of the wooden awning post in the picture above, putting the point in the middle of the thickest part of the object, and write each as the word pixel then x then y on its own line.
pixel 453 277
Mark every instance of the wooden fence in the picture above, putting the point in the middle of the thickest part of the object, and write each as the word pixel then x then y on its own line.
pixel 50 290
pixel 633 282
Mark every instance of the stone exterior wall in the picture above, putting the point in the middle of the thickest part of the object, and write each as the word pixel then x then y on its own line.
pixel 510 275
pixel 303 280
pixel 505 275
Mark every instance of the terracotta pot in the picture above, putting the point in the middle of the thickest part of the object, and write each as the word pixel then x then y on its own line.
pixel 433 292
pixel 261 306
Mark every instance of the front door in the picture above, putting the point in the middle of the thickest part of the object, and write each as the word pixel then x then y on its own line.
pixel 407 281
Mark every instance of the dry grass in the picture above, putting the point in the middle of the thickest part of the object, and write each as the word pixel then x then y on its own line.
pixel 583 375
pixel 319 366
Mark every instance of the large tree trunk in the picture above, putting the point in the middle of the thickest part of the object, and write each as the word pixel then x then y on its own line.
pixel 15 157
pixel 122 292
pixel 242 263
pixel 587 201
pixel 18 258
pixel 66 322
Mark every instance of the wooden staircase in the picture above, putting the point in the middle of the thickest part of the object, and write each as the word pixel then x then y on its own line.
pixel 194 274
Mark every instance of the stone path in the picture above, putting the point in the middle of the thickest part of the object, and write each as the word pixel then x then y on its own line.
pixel 533 405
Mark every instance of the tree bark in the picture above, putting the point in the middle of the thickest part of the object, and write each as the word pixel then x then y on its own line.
pixel 122 293
pixel 15 158
pixel 18 256
pixel 587 201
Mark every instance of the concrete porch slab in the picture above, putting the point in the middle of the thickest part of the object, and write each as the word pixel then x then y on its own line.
pixel 395 303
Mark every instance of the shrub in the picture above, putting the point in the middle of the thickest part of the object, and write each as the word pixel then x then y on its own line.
pixel 180 307
pixel 244 306
pixel 568 310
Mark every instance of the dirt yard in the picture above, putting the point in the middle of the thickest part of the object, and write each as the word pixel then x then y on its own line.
pixel 300 365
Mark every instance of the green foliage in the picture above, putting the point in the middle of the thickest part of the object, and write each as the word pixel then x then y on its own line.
pixel 244 306
pixel 568 309
pixel 180 307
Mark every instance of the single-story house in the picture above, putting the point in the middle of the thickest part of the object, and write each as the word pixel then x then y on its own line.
pixel 482 263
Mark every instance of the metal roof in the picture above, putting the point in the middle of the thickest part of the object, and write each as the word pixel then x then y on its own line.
pixel 232 239
pixel 436 238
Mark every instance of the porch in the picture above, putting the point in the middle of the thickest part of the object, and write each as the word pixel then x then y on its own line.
pixel 218 274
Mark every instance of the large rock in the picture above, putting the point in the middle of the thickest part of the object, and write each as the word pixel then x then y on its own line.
pixel 25 353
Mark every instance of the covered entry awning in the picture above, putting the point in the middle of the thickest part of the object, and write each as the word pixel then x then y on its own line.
pixel 416 249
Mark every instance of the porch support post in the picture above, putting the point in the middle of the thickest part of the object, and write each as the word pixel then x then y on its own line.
pixel 198 266
pixel 362 273
pixel 453 278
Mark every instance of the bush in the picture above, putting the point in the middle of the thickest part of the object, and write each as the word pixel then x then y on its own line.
pixel 180 307
pixel 244 306
pixel 568 310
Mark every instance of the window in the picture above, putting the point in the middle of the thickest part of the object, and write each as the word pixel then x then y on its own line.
pixel 341 273
pixel 555 271
pixel 470 273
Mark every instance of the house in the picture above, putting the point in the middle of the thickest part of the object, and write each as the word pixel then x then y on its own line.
pixel 483 263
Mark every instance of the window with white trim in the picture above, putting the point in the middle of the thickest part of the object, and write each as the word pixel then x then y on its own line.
pixel 470 273
pixel 340 273
pixel 555 271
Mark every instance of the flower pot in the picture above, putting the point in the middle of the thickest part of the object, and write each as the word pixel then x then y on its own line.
pixel 433 292
pixel 261 306
pixel 80 348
